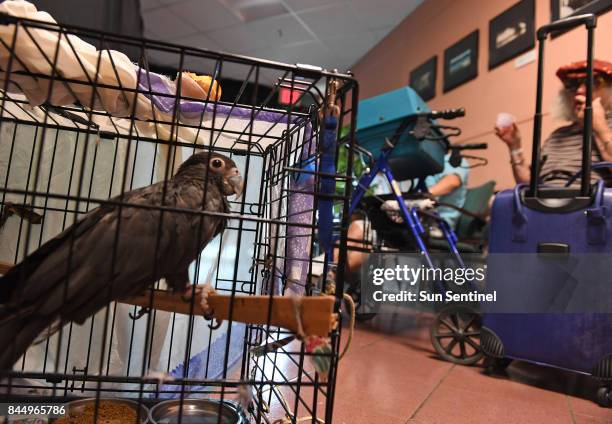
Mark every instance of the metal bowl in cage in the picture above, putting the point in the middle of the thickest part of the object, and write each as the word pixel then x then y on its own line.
pixel 197 411
pixel 108 409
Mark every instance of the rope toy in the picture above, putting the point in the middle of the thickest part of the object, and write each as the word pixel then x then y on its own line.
pixel 318 347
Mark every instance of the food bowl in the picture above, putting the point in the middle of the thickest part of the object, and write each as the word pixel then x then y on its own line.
pixel 84 406
pixel 197 411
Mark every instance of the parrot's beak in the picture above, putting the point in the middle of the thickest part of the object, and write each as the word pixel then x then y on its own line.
pixel 237 184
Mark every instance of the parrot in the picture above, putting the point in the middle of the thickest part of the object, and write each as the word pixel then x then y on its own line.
pixel 68 279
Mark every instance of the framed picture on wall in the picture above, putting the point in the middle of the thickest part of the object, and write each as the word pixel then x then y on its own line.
pixel 563 8
pixel 423 79
pixel 461 61
pixel 511 33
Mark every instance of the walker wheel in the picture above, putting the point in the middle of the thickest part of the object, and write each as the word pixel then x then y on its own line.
pixel 604 397
pixel 455 335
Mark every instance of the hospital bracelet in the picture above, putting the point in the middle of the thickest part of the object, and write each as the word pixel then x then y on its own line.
pixel 516 152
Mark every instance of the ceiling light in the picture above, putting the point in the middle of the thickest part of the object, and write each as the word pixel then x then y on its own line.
pixel 254 10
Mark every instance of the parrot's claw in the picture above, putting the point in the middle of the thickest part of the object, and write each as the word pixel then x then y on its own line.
pixel 209 313
pixel 141 313
pixel 201 293
pixel 217 324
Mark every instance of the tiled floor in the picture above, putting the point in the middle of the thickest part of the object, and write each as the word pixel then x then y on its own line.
pixel 392 375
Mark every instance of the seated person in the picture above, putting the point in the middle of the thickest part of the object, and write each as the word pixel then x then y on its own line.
pixel 449 186
pixel 561 153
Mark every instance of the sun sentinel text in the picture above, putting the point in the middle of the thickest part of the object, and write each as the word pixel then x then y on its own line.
pixel 457 284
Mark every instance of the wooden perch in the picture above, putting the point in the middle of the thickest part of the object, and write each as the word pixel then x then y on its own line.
pixel 317 312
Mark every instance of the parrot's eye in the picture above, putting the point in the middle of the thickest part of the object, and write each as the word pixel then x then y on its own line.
pixel 217 163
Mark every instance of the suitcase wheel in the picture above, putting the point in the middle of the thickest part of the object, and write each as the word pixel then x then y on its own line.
pixel 491 343
pixel 603 369
pixel 455 335
pixel 604 397
pixel 495 366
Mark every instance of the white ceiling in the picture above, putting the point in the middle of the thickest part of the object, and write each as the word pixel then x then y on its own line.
pixel 327 33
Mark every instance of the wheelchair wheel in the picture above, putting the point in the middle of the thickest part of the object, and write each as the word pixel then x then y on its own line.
pixel 455 335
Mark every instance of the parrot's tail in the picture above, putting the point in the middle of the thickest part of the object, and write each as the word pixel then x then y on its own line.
pixel 16 335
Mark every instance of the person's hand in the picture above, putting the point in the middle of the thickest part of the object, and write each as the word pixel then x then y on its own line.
pixel 600 121
pixel 509 135
pixel 425 204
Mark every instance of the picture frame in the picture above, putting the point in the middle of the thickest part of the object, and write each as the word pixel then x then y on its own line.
pixel 423 79
pixel 461 61
pixel 565 8
pixel 511 33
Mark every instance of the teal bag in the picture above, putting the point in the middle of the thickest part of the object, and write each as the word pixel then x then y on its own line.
pixel 378 119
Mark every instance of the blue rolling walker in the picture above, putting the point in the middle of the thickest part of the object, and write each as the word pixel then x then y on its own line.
pixel 422 129
pixel 455 333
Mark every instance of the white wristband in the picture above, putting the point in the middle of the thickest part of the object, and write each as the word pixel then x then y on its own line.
pixel 516 152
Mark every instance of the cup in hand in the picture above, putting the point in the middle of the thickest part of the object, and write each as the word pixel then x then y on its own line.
pixel 504 120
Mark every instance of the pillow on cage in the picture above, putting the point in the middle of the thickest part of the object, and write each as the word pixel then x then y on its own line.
pixel 47 52
pixel 51 53
pixel 81 61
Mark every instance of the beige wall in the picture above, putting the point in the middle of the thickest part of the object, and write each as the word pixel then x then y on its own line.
pixel 436 25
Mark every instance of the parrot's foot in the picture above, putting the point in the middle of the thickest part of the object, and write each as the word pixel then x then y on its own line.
pixel 201 293
pixel 160 377
pixel 187 294
pixel 205 291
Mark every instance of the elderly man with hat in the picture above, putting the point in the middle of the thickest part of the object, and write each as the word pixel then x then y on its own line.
pixel 561 152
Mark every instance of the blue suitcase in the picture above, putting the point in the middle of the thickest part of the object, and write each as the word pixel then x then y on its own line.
pixel 544 223
pixel 378 119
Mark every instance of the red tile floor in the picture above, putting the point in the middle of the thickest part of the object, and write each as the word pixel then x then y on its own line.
pixel 392 375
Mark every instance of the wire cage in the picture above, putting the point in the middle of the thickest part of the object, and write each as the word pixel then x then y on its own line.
pixel 82 128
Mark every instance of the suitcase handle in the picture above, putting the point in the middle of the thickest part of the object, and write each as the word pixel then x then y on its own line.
pixel 590 21
pixel 595 215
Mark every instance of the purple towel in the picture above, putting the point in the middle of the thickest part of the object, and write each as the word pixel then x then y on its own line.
pixel 155 88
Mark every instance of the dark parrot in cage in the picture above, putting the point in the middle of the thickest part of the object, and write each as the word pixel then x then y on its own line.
pixel 114 252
